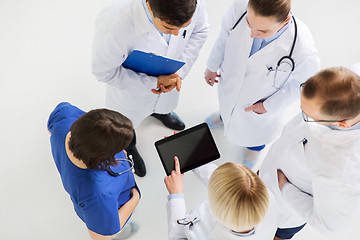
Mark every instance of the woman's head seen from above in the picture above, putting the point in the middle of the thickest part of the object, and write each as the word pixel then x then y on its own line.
pixel 266 17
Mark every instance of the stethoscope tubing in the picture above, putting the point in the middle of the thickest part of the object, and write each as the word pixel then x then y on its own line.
pixel 292 47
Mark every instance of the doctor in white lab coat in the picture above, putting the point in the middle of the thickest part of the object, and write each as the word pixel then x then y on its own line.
pixel 245 58
pixel 200 223
pixel 313 169
pixel 122 27
pixel 127 25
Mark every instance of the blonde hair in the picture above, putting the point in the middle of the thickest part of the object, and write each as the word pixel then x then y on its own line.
pixel 238 198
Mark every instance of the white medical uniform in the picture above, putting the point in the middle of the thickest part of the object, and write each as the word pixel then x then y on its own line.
pixel 122 27
pixel 207 227
pixel 324 174
pixel 246 80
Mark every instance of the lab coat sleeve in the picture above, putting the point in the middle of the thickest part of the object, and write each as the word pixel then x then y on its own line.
pixel 331 207
pixel 204 172
pixel 175 211
pixel 291 91
pixel 109 52
pixel 196 41
pixel 231 16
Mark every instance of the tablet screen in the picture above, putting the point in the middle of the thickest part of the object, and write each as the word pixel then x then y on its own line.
pixel 194 147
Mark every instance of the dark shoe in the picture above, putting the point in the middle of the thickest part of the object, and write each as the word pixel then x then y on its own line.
pixel 139 165
pixel 170 120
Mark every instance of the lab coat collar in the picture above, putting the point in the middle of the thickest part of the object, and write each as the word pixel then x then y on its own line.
pixel 333 137
pixel 141 21
pixel 283 42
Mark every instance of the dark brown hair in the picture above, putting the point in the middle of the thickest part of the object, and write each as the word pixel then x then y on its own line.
pixel 173 12
pixel 98 135
pixel 338 90
pixel 271 8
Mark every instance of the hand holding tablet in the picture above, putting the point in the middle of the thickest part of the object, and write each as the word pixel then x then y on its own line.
pixel 194 147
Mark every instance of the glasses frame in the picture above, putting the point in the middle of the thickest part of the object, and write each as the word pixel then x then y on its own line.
pixel 129 160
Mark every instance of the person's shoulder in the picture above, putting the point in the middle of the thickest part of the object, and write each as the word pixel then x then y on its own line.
pixel 63 111
pixel 305 42
pixel 297 121
pixel 115 12
pixel 240 6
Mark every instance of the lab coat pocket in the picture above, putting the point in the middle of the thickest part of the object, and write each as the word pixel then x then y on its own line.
pixel 260 115
pixel 278 78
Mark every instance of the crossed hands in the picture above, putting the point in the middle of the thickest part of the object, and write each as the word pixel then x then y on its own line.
pixel 166 83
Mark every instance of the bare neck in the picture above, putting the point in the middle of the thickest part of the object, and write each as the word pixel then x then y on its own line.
pixel 73 159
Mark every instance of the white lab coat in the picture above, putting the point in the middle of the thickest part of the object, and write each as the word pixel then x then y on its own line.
pixel 207 227
pixel 244 81
pixel 123 26
pixel 324 175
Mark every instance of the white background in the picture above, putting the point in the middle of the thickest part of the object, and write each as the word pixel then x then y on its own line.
pixel 45 51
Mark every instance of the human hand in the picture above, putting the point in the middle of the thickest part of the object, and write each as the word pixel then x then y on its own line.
pixel 256 108
pixel 210 77
pixel 166 83
pixel 175 132
pixel 174 182
pixel 282 179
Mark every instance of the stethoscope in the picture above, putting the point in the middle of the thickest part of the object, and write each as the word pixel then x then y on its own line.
pixel 287 62
pixel 114 173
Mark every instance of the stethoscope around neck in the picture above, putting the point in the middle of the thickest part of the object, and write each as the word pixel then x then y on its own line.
pixel 286 60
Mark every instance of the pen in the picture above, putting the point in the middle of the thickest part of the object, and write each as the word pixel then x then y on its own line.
pixel 304 141
pixel 269 70
pixel 184 34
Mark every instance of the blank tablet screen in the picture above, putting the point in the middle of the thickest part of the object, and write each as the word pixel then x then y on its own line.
pixel 194 147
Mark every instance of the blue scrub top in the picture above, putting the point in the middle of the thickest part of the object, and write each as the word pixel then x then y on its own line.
pixel 95 194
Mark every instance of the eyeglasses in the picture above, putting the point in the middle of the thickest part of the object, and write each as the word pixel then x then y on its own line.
pixel 309 119
pixel 120 161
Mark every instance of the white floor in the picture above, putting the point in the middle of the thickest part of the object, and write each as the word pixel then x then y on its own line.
pixel 45 49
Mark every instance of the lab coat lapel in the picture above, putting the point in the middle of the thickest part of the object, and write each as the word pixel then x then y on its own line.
pixel 284 42
pixel 242 32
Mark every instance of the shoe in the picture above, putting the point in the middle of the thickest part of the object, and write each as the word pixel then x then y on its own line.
pixel 139 165
pixel 127 231
pixel 214 120
pixel 170 120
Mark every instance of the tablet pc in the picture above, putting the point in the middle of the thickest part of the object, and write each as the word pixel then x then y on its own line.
pixel 194 147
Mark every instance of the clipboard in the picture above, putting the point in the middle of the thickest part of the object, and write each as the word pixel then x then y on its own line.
pixel 151 64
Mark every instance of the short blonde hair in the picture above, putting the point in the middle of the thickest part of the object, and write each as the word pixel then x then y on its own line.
pixel 238 198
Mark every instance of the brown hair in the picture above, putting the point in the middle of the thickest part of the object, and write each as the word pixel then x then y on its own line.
pixel 173 12
pixel 238 198
pixel 338 90
pixel 98 135
pixel 272 8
